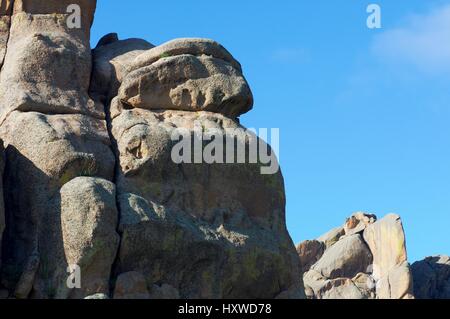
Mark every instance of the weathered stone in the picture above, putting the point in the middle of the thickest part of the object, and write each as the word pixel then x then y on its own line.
pixel 208 230
pixel 188 82
pixel 188 230
pixel 313 281
pixel 386 240
pixel 5 22
pixel 365 284
pixel 331 237
pixel 131 285
pixel 44 152
pixel 58 81
pixel 58 7
pixel 358 222
pixel 191 46
pixel 400 282
pixel 341 288
pixel 111 61
pixel 346 258
pixel 432 278
pixel 309 252
pixel 89 219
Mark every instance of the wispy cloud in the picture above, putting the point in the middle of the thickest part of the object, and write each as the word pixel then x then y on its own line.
pixel 422 42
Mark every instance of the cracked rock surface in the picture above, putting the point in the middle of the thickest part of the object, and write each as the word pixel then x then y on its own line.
pixel 89 179
pixel 364 259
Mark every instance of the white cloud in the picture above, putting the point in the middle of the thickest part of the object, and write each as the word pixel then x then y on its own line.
pixel 423 42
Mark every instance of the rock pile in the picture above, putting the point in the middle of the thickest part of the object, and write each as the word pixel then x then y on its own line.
pixel 363 259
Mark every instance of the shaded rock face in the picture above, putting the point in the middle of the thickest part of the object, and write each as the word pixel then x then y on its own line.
pixel 363 259
pixel 90 180
pixel 208 230
pixel 432 278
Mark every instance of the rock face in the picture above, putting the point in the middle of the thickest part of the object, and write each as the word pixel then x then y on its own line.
pixel 432 278
pixel 126 174
pixel 206 229
pixel 363 259
pixel 96 204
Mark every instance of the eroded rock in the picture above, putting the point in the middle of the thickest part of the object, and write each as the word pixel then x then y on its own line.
pixel 189 75
pixel 432 278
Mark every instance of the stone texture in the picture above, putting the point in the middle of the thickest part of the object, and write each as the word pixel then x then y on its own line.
pixel 309 252
pixel 346 258
pixel 363 259
pixel 386 240
pixel 341 288
pixel 186 78
pixel 77 145
pixel 58 81
pixel 358 222
pixel 332 236
pixel 131 285
pixel 5 22
pixel 199 227
pixel 432 278
pixel 57 7
pixel 111 62
pixel 89 219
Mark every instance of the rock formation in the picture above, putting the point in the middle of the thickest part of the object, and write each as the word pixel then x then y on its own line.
pixel 94 204
pixel 89 178
pixel 363 259
pixel 432 278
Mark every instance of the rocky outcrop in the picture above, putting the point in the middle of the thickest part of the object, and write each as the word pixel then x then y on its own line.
pixel 364 258
pixel 206 229
pixel 104 199
pixel 432 278
pixel 91 183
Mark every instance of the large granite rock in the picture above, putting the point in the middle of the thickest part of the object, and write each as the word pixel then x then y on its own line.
pixel 203 230
pixel 386 240
pixel 432 278
pixel 346 258
pixel 190 75
pixel 209 230
pixel 55 83
pixel 89 219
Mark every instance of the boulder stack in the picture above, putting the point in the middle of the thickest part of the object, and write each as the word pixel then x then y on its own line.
pixel 363 259
pixel 91 186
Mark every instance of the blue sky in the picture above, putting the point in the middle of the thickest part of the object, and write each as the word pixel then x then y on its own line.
pixel 363 114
